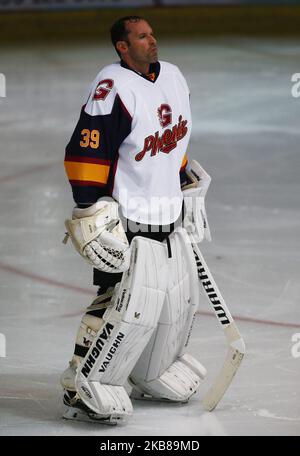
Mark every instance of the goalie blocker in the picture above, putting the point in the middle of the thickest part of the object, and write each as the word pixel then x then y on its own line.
pixel 154 307
pixel 98 236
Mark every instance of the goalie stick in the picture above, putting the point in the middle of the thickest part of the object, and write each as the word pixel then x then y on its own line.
pixel 236 345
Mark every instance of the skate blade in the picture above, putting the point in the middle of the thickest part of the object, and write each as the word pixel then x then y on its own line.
pixel 75 414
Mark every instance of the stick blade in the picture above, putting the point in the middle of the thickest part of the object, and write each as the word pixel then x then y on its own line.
pixel 232 362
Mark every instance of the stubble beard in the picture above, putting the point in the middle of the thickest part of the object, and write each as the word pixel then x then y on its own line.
pixel 153 57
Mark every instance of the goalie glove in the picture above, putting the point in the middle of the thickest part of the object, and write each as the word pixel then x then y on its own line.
pixel 194 191
pixel 98 235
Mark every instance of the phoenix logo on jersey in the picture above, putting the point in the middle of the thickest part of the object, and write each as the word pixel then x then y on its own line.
pixel 166 142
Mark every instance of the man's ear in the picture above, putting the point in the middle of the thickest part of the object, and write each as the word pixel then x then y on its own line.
pixel 122 46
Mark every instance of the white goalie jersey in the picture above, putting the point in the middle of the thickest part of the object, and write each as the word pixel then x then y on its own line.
pixel 131 141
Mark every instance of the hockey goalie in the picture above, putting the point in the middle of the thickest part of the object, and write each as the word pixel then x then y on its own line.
pixel 138 218
pixel 132 340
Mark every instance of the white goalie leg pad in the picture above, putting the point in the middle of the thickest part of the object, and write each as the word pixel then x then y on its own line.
pixel 168 373
pixel 90 324
pixel 128 326
pixel 178 383
pixel 116 406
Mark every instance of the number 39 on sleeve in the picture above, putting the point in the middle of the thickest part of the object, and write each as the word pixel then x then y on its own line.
pixel 90 138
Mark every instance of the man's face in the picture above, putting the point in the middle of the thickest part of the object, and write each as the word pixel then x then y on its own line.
pixel 142 47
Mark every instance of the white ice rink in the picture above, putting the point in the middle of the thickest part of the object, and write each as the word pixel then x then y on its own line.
pixel 246 135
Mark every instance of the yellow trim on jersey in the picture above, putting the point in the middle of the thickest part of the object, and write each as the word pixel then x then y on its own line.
pixel 184 161
pixel 89 172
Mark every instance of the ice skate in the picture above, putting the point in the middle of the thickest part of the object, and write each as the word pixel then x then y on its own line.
pixel 77 411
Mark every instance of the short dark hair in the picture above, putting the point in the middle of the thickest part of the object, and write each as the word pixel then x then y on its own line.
pixel 119 32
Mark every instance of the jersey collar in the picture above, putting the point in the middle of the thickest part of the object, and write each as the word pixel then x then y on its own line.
pixel 154 70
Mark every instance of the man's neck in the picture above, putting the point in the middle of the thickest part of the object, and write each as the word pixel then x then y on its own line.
pixel 138 67
pixel 152 73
